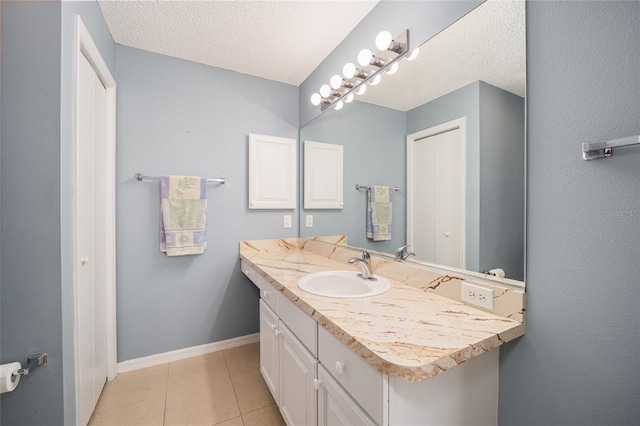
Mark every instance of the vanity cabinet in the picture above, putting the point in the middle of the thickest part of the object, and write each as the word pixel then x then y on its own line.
pixel 317 380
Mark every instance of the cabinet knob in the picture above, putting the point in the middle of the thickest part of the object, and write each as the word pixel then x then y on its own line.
pixel 273 327
pixel 253 202
pixel 317 383
pixel 265 293
pixel 277 332
pixel 341 203
pixel 339 368
pixel 84 260
pixel 446 234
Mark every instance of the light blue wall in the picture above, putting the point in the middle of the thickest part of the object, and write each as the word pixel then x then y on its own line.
pixel 502 172
pixel 578 362
pixel 424 19
pixel 373 140
pixel 180 117
pixel 37 315
pixel 463 102
pixel 31 315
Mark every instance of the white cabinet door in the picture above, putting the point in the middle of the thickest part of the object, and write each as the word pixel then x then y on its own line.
pixel 269 348
pixel 323 176
pixel 272 172
pixel 335 406
pixel 297 372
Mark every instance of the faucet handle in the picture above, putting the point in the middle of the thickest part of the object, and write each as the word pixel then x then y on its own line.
pixel 400 251
pixel 365 255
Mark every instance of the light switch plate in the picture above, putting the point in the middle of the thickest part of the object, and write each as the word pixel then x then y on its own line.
pixel 477 295
pixel 287 221
pixel 308 221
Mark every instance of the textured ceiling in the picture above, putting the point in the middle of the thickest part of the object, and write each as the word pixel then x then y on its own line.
pixel 278 40
pixel 487 44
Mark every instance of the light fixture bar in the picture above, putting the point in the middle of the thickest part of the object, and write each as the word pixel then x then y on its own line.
pixel 380 62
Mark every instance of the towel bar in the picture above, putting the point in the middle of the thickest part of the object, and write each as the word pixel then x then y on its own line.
pixel 140 176
pixel 359 187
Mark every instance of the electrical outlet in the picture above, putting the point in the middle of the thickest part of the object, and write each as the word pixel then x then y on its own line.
pixel 477 295
pixel 287 221
pixel 308 221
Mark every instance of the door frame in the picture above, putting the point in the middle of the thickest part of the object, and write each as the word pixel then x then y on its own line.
pixel 84 45
pixel 458 123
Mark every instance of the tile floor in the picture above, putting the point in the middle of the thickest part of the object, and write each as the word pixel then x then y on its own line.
pixel 221 388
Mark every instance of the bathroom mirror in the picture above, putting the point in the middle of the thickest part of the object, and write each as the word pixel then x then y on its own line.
pixel 460 208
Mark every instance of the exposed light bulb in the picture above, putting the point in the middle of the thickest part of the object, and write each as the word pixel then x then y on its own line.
pixel 361 89
pixel 349 70
pixel 364 57
pixel 339 105
pixel 316 99
pixel 349 98
pixel 414 54
pixel 383 40
pixel 392 69
pixel 325 91
pixel 336 81
pixel 375 80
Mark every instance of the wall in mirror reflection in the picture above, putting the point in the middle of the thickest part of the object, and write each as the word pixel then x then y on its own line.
pixel 375 153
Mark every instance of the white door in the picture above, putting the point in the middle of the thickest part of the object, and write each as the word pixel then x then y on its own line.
pixel 436 182
pixel 269 349
pixel 297 369
pixel 335 406
pixel 91 238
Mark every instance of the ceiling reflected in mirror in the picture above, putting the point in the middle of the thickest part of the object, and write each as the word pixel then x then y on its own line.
pixel 474 69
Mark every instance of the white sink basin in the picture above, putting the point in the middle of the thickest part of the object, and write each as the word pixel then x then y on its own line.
pixel 343 285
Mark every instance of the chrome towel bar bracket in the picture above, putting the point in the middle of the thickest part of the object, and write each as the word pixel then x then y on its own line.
pixel 604 149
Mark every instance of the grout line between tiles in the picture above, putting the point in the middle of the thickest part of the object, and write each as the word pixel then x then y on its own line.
pixel 166 396
pixel 235 394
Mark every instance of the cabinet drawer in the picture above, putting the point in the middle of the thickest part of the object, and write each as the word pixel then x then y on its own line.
pixel 251 273
pixel 268 292
pixel 302 325
pixel 360 380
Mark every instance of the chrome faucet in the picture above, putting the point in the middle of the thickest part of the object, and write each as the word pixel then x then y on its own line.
pixel 365 265
pixel 402 253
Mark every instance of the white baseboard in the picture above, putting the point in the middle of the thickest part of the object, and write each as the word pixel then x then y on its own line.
pixel 163 358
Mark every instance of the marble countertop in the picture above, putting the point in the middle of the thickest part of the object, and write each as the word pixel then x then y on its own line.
pixel 406 333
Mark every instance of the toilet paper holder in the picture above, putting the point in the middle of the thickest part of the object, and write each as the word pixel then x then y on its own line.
pixel 33 361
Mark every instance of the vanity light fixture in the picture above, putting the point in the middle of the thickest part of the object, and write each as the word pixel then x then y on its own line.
pixel 414 54
pixel 349 70
pixel 392 69
pixel 371 66
pixel 316 99
pixel 384 41
pixel 325 90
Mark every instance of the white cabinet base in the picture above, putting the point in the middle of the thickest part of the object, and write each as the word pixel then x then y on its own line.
pixel 463 395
